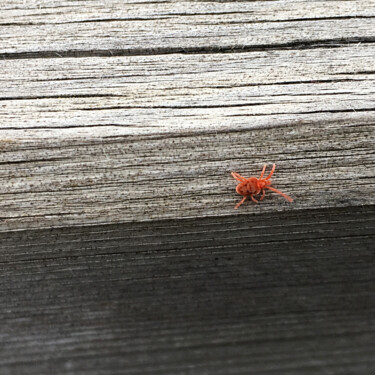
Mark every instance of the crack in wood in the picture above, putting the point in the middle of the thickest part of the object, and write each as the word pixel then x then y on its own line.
pixel 296 45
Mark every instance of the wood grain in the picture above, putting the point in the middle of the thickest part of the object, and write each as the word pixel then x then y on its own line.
pixel 290 293
pixel 170 93
pixel 145 178
pixel 133 138
pixel 120 249
pixel 80 28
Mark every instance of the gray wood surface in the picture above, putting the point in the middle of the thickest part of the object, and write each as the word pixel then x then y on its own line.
pixel 120 249
pixel 140 138
pixel 291 293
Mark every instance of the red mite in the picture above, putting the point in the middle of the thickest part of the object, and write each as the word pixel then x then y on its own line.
pixel 252 186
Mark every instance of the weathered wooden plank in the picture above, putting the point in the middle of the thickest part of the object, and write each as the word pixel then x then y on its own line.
pixel 134 138
pixel 142 178
pixel 173 92
pixel 150 27
pixel 290 293
pixel 84 144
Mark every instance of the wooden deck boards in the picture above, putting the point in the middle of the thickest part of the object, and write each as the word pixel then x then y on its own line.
pixel 120 249
pixel 290 293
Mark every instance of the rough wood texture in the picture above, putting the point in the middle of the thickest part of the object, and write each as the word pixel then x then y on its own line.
pixel 140 178
pixel 291 293
pixel 120 250
pixel 78 28
pixel 138 138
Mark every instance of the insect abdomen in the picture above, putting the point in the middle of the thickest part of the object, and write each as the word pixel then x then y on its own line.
pixel 250 186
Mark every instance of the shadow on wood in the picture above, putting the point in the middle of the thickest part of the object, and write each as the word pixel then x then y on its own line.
pixel 287 293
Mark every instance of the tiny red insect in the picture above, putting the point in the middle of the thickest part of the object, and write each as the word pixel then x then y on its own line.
pixel 252 186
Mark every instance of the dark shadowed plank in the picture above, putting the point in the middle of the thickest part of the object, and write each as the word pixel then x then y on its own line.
pixel 287 293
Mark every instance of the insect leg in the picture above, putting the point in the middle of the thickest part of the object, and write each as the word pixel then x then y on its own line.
pixel 263 194
pixel 279 192
pixel 239 204
pixel 238 177
pixel 253 199
pixel 263 170
pixel 271 173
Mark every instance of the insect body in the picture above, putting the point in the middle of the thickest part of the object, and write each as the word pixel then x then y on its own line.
pixel 248 187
